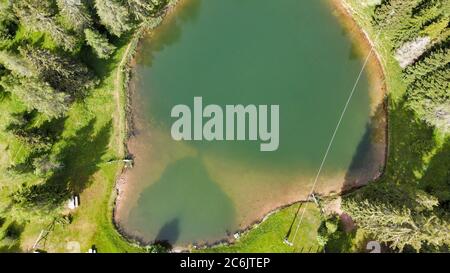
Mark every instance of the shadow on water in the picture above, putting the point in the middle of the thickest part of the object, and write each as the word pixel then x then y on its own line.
pixel 369 158
pixel 354 52
pixel 169 32
pixel 169 232
pixel 184 204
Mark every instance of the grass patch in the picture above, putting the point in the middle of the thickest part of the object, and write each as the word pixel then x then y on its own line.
pixel 269 235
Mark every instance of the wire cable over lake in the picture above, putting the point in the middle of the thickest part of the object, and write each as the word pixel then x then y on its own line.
pixel 344 110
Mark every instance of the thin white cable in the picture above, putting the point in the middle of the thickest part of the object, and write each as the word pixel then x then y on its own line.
pixel 334 134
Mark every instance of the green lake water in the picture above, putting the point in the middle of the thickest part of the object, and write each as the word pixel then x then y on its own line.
pixel 291 53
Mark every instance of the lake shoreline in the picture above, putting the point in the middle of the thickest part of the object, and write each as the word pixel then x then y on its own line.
pixel 376 77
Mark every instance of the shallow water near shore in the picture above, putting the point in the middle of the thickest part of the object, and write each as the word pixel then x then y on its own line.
pixel 290 53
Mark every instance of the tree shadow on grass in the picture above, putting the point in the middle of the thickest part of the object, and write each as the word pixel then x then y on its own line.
pixel 13 248
pixel 80 157
pixel 410 141
pixel 10 242
pixel 340 242
pixel 436 179
pixel 288 234
pixel 14 230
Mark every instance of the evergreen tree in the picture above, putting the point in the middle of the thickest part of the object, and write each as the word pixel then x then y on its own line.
pixel 388 14
pixel 76 13
pixel 40 16
pixel 403 21
pixel 99 43
pixel 419 32
pixel 45 165
pixel 62 73
pixel 15 63
pixel 408 222
pixel 20 128
pixel 114 15
pixel 429 97
pixel 144 9
pixel 36 95
pixel 8 21
pixel 433 61
pixel 437 29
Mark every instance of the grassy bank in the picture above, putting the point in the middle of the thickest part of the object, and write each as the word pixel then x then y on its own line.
pixel 269 235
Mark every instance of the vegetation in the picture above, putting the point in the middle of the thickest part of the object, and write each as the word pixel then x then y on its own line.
pixel 99 43
pixel 426 69
pixel 327 229
pixel 408 209
pixel 61 65
pixel 269 235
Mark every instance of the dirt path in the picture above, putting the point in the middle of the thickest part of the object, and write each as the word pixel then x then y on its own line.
pixel 119 120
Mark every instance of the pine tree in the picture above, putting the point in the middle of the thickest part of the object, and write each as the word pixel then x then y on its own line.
pixel 40 16
pixel 45 165
pixel 435 29
pixel 141 9
pixel 429 97
pixel 114 15
pixel 15 63
pixel 76 13
pixel 8 20
pixel 398 227
pixel 423 16
pixel 36 95
pixel 144 9
pixel 419 32
pixel 62 73
pixel 388 15
pixel 99 43
pixel 433 61
pixel 21 129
